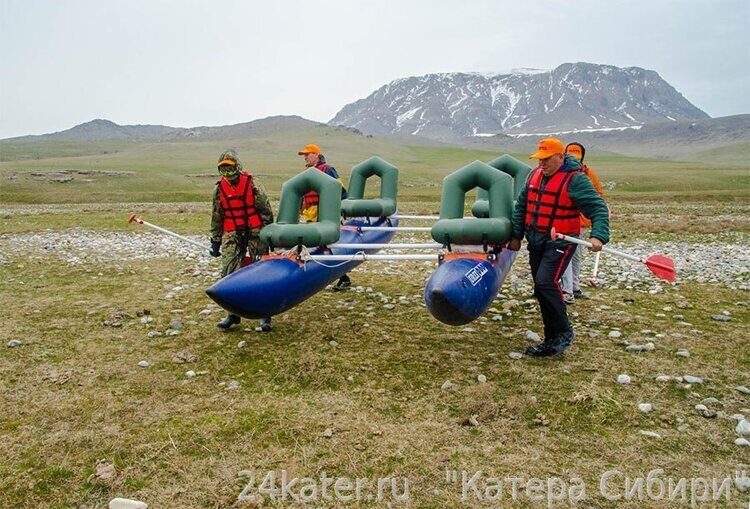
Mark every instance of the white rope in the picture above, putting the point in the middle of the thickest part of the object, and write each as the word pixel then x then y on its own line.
pixel 305 256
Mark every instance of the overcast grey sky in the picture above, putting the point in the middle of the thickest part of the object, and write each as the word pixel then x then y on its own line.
pixel 188 63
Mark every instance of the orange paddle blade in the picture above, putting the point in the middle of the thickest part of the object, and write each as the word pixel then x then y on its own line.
pixel 662 267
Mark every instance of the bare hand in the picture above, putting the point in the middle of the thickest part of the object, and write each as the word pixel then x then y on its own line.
pixel 596 244
pixel 515 244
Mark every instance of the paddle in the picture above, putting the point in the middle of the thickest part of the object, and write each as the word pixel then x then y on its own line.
pixel 660 265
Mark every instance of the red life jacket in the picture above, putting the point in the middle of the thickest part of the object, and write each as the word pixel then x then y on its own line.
pixel 238 204
pixel 553 206
pixel 311 197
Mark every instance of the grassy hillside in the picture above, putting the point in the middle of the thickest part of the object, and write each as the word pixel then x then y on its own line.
pixel 183 170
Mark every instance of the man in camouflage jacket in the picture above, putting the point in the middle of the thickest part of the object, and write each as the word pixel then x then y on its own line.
pixel 235 233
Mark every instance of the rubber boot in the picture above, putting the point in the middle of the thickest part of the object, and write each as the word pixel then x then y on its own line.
pixel 228 321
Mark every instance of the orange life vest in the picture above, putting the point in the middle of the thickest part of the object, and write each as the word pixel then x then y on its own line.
pixel 311 197
pixel 551 207
pixel 585 221
pixel 238 204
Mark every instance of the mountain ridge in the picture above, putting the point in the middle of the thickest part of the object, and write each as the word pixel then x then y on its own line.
pixel 573 95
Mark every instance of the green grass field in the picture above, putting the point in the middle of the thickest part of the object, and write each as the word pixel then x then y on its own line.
pixel 371 403
pixel 166 172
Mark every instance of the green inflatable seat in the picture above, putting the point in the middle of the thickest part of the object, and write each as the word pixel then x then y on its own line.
pixel 453 228
pixel 356 205
pixel 513 167
pixel 287 231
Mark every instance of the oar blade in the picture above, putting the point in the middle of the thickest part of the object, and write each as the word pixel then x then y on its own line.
pixel 662 267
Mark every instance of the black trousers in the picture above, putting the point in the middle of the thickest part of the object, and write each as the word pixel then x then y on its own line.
pixel 547 266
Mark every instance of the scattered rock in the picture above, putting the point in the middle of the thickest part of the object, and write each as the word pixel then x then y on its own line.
pixel 389 306
pixel 176 325
pixel 172 332
pixel 190 374
pixel 623 379
pixel 147 319
pixel 333 342
pixel 645 407
pixel 663 378
pixel 711 401
pixel 125 503
pixel 481 379
pixel 154 334
pixel 242 344
pixel 14 343
pixel 651 434
pixel 721 318
pixel 233 385
pixel 143 364
pixel 183 357
pixel 614 334
pixel 515 356
pixel 533 336
pixel 682 353
pixel 473 420
pixel 742 442
pixel 705 411
pixel 743 428
pixel 104 472
pixel 742 389
pixel 640 348
pixel 692 379
pixel 447 385
pixel 328 433
pixel 116 318
pixel 508 305
pixel 541 420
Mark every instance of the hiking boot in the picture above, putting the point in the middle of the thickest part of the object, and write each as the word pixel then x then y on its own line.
pixel 564 340
pixel 265 325
pixel 540 350
pixel 556 345
pixel 578 294
pixel 343 283
pixel 228 321
pixel 568 298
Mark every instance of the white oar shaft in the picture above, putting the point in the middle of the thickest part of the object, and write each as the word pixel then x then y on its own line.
pixel 360 257
pixel 394 228
pixel 407 216
pixel 168 232
pixel 596 263
pixel 426 245
pixel 609 250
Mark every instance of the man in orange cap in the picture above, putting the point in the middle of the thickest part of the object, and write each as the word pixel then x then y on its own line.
pixel 571 282
pixel 556 192
pixel 314 158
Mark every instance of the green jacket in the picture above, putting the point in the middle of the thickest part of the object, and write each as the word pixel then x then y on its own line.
pixel 584 196
pixel 262 205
